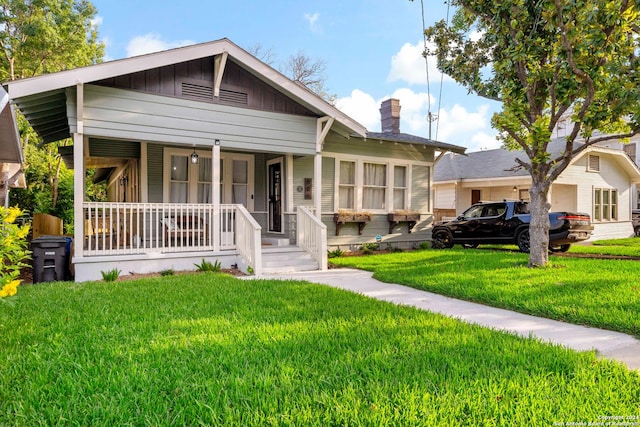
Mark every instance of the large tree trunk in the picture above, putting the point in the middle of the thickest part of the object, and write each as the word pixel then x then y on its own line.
pixel 539 227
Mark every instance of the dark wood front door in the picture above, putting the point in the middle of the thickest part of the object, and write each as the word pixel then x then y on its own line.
pixel 275 197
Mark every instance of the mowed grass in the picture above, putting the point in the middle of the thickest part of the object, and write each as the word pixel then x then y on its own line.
pixel 208 349
pixel 594 292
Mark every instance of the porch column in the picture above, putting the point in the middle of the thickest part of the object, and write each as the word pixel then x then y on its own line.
pixel 78 175
pixel 317 184
pixel 215 193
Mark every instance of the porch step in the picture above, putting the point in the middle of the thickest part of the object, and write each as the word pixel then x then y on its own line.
pixel 286 259
pixel 275 241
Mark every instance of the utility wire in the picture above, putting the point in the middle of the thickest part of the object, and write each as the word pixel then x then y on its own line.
pixel 442 75
pixel 430 116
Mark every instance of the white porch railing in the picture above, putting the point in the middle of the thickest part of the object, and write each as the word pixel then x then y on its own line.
pixel 139 228
pixel 312 235
pixel 249 239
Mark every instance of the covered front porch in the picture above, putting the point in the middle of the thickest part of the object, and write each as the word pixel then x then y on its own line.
pixel 151 237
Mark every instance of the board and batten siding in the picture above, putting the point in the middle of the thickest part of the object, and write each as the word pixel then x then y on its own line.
pixel 117 113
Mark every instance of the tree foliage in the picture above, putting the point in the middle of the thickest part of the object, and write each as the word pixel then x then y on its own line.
pixel 39 37
pixel 45 36
pixel 546 60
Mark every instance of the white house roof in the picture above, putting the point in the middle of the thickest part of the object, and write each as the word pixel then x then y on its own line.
pixel 500 163
pixel 43 98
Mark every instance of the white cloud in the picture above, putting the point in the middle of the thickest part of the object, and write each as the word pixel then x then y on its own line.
pixel 362 107
pixel 152 42
pixel 312 19
pixel 471 129
pixel 458 125
pixel 408 65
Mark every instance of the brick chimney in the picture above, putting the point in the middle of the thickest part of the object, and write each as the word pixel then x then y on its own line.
pixel 390 114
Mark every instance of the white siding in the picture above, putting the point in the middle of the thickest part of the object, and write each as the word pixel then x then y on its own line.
pixel 445 196
pixel 610 176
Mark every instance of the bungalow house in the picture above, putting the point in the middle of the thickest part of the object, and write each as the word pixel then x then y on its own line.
pixel 598 181
pixel 11 175
pixel 211 154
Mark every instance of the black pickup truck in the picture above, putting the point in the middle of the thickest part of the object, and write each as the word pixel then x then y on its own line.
pixel 507 222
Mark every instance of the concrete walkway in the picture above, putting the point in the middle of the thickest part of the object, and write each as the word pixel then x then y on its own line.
pixel 612 345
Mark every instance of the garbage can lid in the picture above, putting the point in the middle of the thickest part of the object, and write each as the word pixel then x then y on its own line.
pixel 51 239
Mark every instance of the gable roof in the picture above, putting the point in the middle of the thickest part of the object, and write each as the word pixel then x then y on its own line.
pixel 500 163
pixel 42 99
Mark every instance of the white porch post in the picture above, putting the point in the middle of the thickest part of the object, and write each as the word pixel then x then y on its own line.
pixel 323 125
pixel 215 193
pixel 78 175
pixel 317 184
pixel 289 180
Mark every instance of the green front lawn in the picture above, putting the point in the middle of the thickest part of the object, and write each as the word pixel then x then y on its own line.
pixel 209 349
pixel 599 293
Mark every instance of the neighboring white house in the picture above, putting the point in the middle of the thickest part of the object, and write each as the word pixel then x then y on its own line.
pixel 598 181
pixel 11 175
pixel 210 153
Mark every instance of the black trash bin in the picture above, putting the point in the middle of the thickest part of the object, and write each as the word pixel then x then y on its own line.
pixel 50 259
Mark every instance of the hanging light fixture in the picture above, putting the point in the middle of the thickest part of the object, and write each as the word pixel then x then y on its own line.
pixel 194 157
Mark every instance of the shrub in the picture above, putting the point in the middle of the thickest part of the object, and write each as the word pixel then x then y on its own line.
pixel 206 266
pixel 424 245
pixel 13 250
pixel 111 275
pixel 167 272
pixel 369 248
pixel 336 253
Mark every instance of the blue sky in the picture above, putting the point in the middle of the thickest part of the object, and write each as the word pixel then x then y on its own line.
pixel 371 48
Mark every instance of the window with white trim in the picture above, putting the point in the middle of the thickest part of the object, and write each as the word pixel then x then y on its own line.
pixel 186 182
pixel 605 204
pixel 347 185
pixel 374 186
pixel 370 185
pixel 399 187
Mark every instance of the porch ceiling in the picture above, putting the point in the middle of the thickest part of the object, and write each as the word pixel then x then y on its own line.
pixel 47 114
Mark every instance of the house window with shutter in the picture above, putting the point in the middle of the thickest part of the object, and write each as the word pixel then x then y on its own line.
pixel 593 164
pixel 605 204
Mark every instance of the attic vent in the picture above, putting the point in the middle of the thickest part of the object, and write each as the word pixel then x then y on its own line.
pixel 594 163
pixel 200 92
pixel 235 97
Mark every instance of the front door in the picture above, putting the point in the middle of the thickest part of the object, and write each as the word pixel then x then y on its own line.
pixel 274 177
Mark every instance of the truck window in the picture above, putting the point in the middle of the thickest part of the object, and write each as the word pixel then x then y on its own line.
pixel 521 208
pixel 473 212
pixel 494 210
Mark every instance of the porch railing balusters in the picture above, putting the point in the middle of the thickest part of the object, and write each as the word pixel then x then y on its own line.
pixel 311 235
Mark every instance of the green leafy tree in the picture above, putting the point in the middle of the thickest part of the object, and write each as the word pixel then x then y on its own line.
pixel 39 37
pixel 546 60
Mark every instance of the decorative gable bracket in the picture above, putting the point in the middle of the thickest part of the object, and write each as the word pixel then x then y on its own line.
pixel 324 125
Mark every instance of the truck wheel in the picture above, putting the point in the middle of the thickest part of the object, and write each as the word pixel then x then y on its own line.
pixel 523 241
pixel 559 248
pixel 441 239
pixel 470 245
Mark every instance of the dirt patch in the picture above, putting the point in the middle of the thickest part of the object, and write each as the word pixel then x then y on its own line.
pixel 133 275
pixel 26 274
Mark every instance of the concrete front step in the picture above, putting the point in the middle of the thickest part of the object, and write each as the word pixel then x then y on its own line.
pixel 286 259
